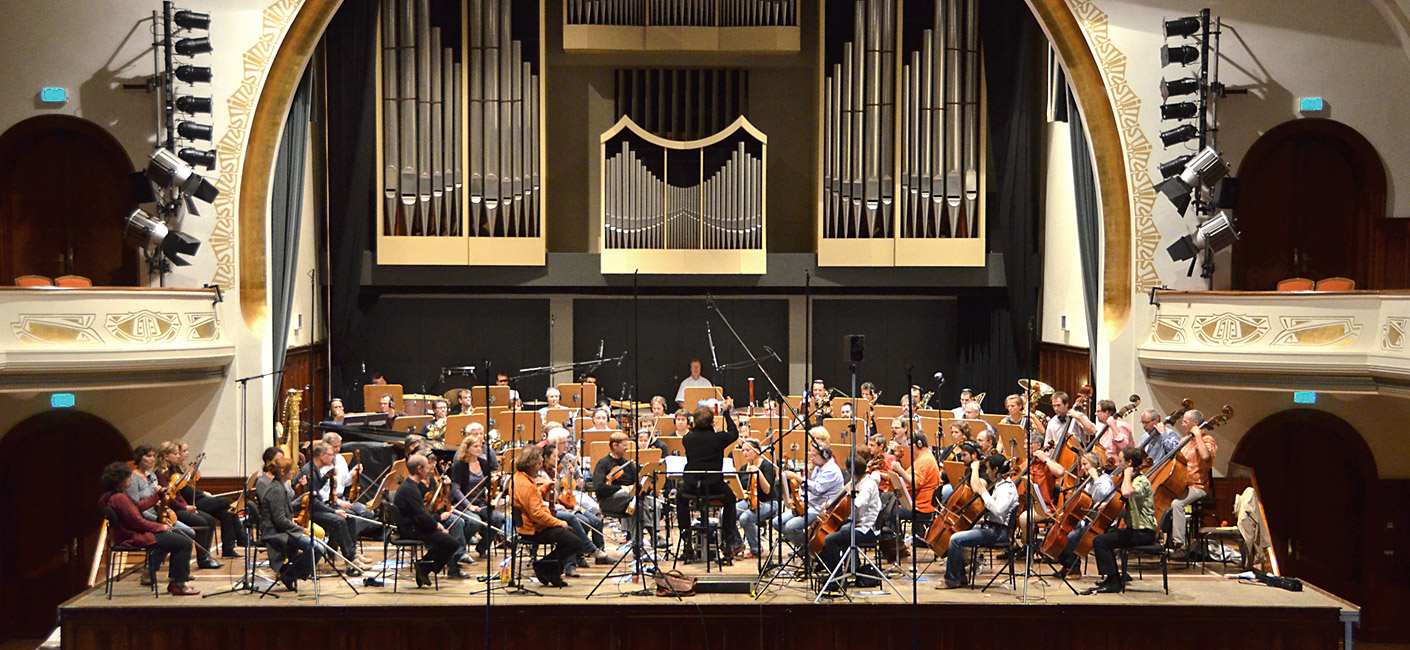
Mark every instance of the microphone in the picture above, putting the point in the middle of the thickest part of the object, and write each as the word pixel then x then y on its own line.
pixel 940 377
pixel 772 353
pixel 621 358
pixel 599 348
pixel 711 338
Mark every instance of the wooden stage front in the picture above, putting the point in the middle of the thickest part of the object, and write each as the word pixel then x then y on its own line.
pixel 1201 611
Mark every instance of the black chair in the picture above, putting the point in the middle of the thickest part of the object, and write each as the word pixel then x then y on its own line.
pixel 704 533
pixel 527 543
pixel 1010 544
pixel 1155 549
pixel 412 548
pixel 110 518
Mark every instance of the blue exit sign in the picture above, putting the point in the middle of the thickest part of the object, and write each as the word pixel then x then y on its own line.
pixel 1310 104
pixel 1304 397
pixel 61 400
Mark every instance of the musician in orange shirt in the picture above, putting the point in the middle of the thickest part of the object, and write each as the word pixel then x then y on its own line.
pixel 1198 455
pixel 923 479
pixel 536 520
pixel 1044 474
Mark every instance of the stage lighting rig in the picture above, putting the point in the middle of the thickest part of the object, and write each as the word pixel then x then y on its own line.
pixel 157 240
pixel 186 34
pixel 1210 237
pixel 1202 171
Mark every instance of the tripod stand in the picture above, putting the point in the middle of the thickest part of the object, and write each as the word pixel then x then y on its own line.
pixel 248 582
pixel 850 563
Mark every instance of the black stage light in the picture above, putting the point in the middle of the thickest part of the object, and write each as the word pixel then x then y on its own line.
pixel 150 235
pixel 1179 111
pixel 1182 133
pixel 193 46
pixel 1181 54
pixel 194 131
pixel 193 74
pixel 1174 166
pixel 193 105
pixel 204 158
pixel 1186 86
pixel 1187 26
pixel 192 19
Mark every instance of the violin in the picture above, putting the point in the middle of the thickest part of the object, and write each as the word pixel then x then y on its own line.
pixel 438 500
pixel 355 488
pixel 186 477
pixel 567 490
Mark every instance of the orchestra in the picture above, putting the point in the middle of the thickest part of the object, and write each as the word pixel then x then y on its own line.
pixel 457 499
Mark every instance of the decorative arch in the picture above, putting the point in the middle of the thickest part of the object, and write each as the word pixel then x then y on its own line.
pixel 1055 16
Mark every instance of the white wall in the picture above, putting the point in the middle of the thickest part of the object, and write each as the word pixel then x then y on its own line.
pixel 1062 272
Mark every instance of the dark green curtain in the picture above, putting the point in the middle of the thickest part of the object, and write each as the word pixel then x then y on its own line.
pixel 285 215
pixel 1089 224
pixel 997 330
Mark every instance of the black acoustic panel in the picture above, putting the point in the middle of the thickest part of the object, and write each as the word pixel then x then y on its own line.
pixel 919 333
pixel 411 338
pixel 673 331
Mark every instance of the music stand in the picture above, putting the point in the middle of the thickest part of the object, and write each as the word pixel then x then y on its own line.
pixel 372 395
pixel 578 396
pixel 488 396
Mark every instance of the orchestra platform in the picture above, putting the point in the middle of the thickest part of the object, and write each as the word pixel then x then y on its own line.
pixel 1202 610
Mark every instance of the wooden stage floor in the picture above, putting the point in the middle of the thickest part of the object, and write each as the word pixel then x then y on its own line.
pixel 1202 610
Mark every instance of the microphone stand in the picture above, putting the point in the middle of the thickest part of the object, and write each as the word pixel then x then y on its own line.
pixel 248 578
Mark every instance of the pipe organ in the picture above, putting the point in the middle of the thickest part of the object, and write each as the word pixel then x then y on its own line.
pixel 693 13
pixel 682 25
pixel 460 137
pixel 673 206
pixel 902 179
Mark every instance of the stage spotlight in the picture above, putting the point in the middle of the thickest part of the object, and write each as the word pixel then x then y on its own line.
pixel 194 46
pixel 1187 26
pixel 168 171
pixel 1206 168
pixel 1182 133
pixel 1178 111
pixel 192 74
pixel 1213 235
pixel 150 235
pixel 194 131
pixel 1181 54
pixel 192 19
pixel 1172 167
pixel 204 158
pixel 1186 86
pixel 193 105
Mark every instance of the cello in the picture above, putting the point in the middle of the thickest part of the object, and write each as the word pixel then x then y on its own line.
pixel 963 511
pixel 1073 512
pixel 839 512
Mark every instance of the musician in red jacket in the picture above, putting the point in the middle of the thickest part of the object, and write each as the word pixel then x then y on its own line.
pixel 131 529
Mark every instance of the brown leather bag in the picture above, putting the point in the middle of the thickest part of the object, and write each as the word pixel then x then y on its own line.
pixel 674 583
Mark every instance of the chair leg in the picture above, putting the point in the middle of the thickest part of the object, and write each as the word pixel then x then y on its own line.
pixel 108 586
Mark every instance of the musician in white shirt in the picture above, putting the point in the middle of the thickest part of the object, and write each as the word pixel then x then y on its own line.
pixel 999 504
pixel 867 506
pixel 693 381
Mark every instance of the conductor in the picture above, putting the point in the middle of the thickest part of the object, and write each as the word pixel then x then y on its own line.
pixel 704 451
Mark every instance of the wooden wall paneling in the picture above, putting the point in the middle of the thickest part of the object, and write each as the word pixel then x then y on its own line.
pixel 1064 367
pixel 307 366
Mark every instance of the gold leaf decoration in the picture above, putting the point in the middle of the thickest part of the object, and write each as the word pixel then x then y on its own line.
pixel 1333 331
pixel 1393 334
pixel 1169 329
pixel 1229 330
pixel 144 327
pixel 203 326
pixel 57 329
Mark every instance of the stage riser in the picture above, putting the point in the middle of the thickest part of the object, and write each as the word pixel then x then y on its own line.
pixel 604 624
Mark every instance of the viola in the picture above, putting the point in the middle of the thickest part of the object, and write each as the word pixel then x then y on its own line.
pixel 356 488
pixel 567 490
pixel 795 497
pixel 438 500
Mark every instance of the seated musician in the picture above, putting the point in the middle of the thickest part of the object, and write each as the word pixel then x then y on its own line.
pixel 436 428
pixel 342 481
pixel 377 378
pixel 537 520
pixel 966 397
pixel 502 379
pixel 487 453
pixel 817 408
pixel 330 515
pixel 869 392
pixel 1065 420
pixel 846 413
pixel 601 420
pixel 384 405
pixel 418 444
pixel 1198 455
pixel 291 548
pixel 658 409
pixel 131 529
pixel 646 439
pixel 988 442
pixel 704 452
pixel 232 532
pixel 146 483
pixel 336 411
pixel 1098 486
pixel 463 402
pixel 1140 520
pixel 867 507
pixel 554 398
pixel 922 480
pixel 202 523
pixel 823 483
pixel 1113 434
pixel 1160 439
pixel 1044 475
pixel 972 411
pixel 470 476
pixel 587 527
pixel 959 434
pixel 614 480
pixel 693 381
pixel 759 474
pixel 442 533
pixel 682 423
pixel 988 479
pixel 1017 406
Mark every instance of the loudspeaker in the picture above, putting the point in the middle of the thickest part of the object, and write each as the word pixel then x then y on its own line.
pixel 855 347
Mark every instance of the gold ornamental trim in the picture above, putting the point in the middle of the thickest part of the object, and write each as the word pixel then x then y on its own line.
pixel 1393 334
pixel 57 329
pixel 144 327
pixel 1230 330
pixel 1334 331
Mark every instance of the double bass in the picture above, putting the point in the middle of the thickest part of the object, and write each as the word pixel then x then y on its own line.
pixel 1067 452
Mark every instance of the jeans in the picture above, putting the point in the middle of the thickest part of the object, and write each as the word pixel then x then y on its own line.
pixel 575 522
pixel 471 524
pixel 977 536
pixel 836 542
pixel 1177 513
pixel 749 520
pixel 795 528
